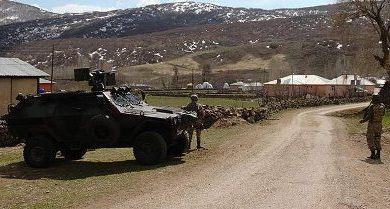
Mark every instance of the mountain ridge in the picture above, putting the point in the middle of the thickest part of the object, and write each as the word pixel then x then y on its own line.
pixel 134 21
pixel 15 12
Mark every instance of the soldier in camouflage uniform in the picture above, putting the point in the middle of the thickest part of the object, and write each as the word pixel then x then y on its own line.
pixel 195 107
pixel 374 115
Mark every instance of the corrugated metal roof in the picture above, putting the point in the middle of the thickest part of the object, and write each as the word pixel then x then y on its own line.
pixel 347 79
pixel 302 80
pixel 381 82
pixel 14 67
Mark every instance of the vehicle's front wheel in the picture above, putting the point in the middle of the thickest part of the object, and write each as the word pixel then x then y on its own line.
pixel 180 147
pixel 73 154
pixel 39 152
pixel 150 148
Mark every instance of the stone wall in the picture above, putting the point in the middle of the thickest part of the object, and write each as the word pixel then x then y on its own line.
pixel 272 106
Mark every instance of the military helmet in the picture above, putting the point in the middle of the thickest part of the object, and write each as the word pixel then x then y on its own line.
pixel 194 97
pixel 376 99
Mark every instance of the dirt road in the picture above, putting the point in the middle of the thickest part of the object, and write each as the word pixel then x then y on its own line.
pixel 304 160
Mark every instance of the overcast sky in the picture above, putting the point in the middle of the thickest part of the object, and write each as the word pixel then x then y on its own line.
pixel 62 6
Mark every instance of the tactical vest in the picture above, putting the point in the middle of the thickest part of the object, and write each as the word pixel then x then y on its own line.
pixel 196 108
pixel 378 112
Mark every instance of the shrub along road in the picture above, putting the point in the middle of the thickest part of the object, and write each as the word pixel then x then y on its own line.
pixel 304 160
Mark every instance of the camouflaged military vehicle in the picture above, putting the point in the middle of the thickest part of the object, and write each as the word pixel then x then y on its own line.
pixel 73 122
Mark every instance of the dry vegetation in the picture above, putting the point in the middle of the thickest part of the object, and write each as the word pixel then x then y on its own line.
pixel 245 63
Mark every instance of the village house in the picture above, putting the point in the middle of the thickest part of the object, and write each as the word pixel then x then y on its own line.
pixel 298 85
pixel 313 85
pixel 45 85
pixel 17 76
pixel 360 84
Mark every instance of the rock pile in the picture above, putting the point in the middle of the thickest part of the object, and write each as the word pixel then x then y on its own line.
pixel 229 116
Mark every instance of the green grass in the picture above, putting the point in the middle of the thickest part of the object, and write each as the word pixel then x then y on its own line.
pixel 100 173
pixel 182 101
pixel 386 119
pixel 353 116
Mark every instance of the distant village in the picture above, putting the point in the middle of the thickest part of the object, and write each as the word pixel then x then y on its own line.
pixel 346 85
pixel 17 76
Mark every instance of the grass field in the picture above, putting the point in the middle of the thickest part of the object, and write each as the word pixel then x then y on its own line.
pixel 353 116
pixel 100 173
pixel 182 101
pixel 386 119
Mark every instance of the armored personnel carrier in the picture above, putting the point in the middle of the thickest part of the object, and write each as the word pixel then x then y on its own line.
pixel 73 122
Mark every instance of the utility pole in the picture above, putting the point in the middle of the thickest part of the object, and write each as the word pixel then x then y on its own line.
pixel 192 80
pixel 292 81
pixel 264 79
pixel 52 70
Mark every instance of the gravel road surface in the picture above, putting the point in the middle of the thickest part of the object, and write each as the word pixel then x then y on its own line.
pixel 303 160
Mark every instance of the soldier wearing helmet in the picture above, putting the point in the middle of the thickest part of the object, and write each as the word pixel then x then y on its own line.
pixel 374 115
pixel 198 125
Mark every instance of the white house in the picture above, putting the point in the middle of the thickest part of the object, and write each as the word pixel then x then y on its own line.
pixel 299 85
pixel 237 86
pixel 204 85
pixel 352 80
pixel 301 80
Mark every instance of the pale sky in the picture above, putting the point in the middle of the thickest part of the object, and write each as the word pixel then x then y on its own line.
pixel 62 6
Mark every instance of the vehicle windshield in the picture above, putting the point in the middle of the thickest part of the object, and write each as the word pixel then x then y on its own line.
pixel 125 100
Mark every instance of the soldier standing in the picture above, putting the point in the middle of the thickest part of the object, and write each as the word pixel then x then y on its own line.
pixel 374 115
pixel 197 126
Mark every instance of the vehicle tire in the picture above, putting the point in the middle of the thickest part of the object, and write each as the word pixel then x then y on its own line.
pixel 180 147
pixel 150 148
pixel 73 154
pixel 39 152
pixel 103 130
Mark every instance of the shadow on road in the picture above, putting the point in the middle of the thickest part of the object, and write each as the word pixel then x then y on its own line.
pixel 373 162
pixel 71 170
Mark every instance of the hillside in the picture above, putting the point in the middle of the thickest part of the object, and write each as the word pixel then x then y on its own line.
pixel 14 12
pixel 143 43
pixel 155 18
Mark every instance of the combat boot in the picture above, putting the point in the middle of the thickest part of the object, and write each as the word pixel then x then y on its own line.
pixel 198 141
pixel 378 155
pixel 373 156
pixel 199 146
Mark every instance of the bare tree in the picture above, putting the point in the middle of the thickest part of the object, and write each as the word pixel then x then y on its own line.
pixel 206 72
pixel 378 14
pixel 175 78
